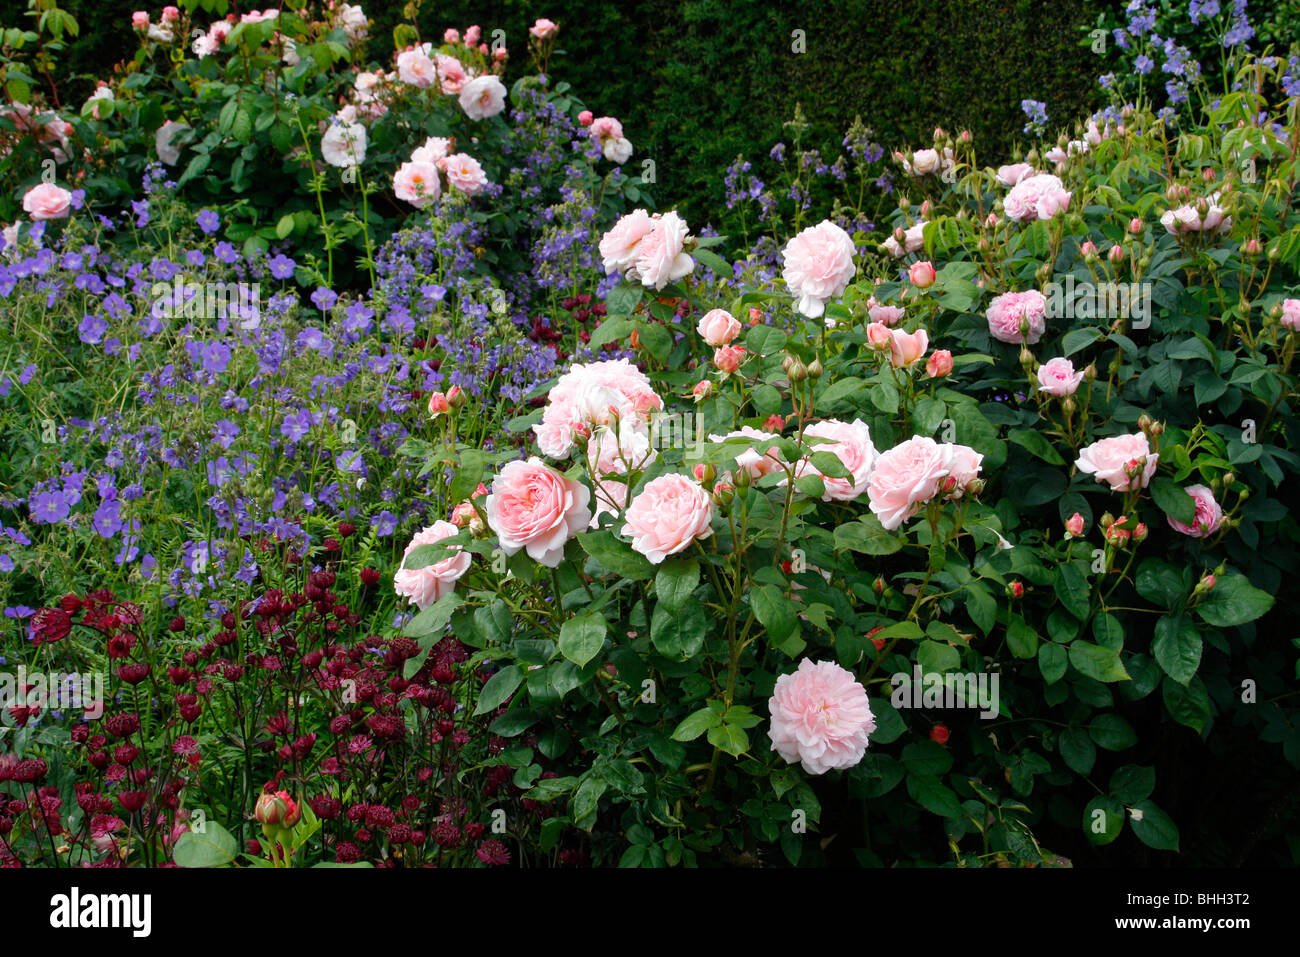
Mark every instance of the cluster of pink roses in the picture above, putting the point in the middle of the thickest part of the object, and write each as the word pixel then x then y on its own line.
pixel 1125 462
pixel 608 132
pixel 481 97
pixel 650 248
pixel 417 181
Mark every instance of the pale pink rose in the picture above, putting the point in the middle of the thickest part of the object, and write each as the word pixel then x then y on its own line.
pixel 438 404
pixel 821 718
pixel 414 67
pixel 576 398
pixel 755 463
pixel 939 364
pixel 907 348
pixel 353 20
pixel 921 274
pixel 464 173
pixel 367 84
pixel 585 118
pixel 886 315
pixel 451 36
pixel 1209 514
pixel 1013 174
pixel 543 28
pixel 661 258
pixel 912 240
pixel 818 266
pixel 424 586
pixel 1112 460
pixel 617 150
pixel 451 74
pixel 344 145
pixel 963 468
pixel 1205 216
pixel 417 183
pixel 472 35
pixel 1007 312
pixel 669 514
pixel 171 14
pixel 435 148
pixel 1040 196
pixel 879 336
pixel 728 359
pixel 1074 525
pixel 1057 377
pixel 606 127
pixel 47 201
pixel 620 246
pixel 852 445
pixel 905 478
pixel 204 46
pixel 534 507
pixel 483 97
pixel 1290 314
pixel 929 162
pixel 140 20
pixel 718 327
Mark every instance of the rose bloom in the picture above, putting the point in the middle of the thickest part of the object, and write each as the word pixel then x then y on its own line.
pixel 921 275
pixel 913 240
pixel 617 150
pixel 661 258
pixel 534 507
pixel 620 246
pixel 464 173
pixel 1191 219
pixel 755 464
pixel 543 28
pixel 879 336
pixel 729 358
pixel 1110 460
pixel 344 144
pixel 570 401
pixel 1040 196
pixel 435 148
pixel 424 586
pixel 416 68
pixel 367 84
pixel 1290 314
pixel 718 327
pixel 1007 311
pixel 417 183
pixel 1208 514
pixel 1013 174
pixel 907 348
pixel 940 364
pixel 929 162
pixel 905 478
pixel 821 718
pixel 888 315
pixel 451 74
pixel 852 445
pixel 47 201
pixel 483 97
pixel 818 266
pixel 1057 377
pixel 669 514
pixel 963 468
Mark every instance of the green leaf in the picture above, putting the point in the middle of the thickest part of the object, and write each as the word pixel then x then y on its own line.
pixel 214 847
pixel 935 656
pixel 1097 661
pixel 774 611
pixel 713 261
pixel 694 725
pixel 582 637
pixel 498 688
pixel 1036 444
pixel 933 795
pixel 1073 589
pixel 678 635
pixel 1233 601
pixel 1154 827
pixel 829 465
pixel 676 580
pixel 867 536
pixel 1077 750
pixel 729 738
pixel 623 298
pixel 1132 783
pixel 1177 648
pixel 434 618
pixel 616 555
pixel 1053 661
pixel 586 800
pixel 1161 583
pixel 1103 819
pixel 1021 639
pixel 1112 732
pixel 1189 705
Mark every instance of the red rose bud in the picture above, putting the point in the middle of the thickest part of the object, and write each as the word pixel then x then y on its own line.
pixel 755 315
pixel 1140 533
pixel 1015 590
pixel 270 810
pixel 878 642
pixel 1117 534
pixel 774 423
pixel 939 734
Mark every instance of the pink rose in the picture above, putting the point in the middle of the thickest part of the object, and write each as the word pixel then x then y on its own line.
pixel 1009 311
pixel 473 35
pixel 1040 196
pixel 661 258
pixel 534 507
pixel 905 478
pixel 718 327
pixel 438 404
pixel 963 469
pixel 940 364
pixel 572 403
pixel 435 148
pixel 906 241
pixel 47 201
pixel 483 97
pixel 729 358
pixel 424 586
pixel 669 514
pixel 415 68
pixel 140 20
pixel 818 266
pixel 879 336
pixel 585 118
pixel 464 173
pixel 171 14
pixel 1119 460
pixel 1209 514
pixel 820 717
pixel 1057 377
pixel 921 275
pixel 451 74
pixel 451 36
pixel 417 183
pixel 886 315
pixel 907 348
pixel 543 28
pixel 1291 314
pixel 620 246
pixel 1074 525
pixel 1013 174
pixel 851 444
pixel 606 127
pixel 755 464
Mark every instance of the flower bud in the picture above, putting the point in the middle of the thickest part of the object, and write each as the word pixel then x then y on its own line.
pixel 815 369
pixel 438 404
pixel 939 734
pixel 1116 254
pixel 456 397
pixel 1015 590
pixel 795 370
pixel 1089 250
pixel 1074 525
pixel 1135 226
pixel 1107 520
pixel 774 423
pixel 703 389
pixel 704 473
pixel 270 809
pixel 939 364
pixel 1140 533
pixel 921 275
pixel 723 493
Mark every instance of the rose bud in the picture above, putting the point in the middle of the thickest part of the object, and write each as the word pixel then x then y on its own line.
pixel 939 364
pixel 456 397
pixel 921 275
pixel 774 423
pixel 939 734
pixel 703 389
pixel 1074 525
pixel 438 404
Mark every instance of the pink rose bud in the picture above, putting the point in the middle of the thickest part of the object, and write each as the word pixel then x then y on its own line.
pixel 878 336
pixel 500 53
pixel 1208 582
pixel 1209 175
pixel 774 423
pixel 1116 254
pixel 1117 534
pixel 1140 533
pixel 718 327
pixel 939 133
pixel 170 14
pixel 921 275
pixel 438 404
pixel 991 220
pixel 451 35
pixel 729 358
pixel 472 35
pixel 140 20
pixel 1253 248
pixel 1089 248
pixel 456 397
pixel 964 136
pixel 1135 226
pixel 462 514
pixel 927 208
pixel 704 472
pixel 703 389
pixel 755 315
pixel 939 364
pixel 585 117
pixel 1074 525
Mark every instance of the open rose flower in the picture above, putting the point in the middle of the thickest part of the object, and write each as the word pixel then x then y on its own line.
pixel 483 97
pixel 851 444
pixel 582 400
pixel 344 145
pixel 424 586
pixel 718 327
pixel 756 464
pixel 818 266
pixel 907 348
pixel 1040 196
pixel 913 239
pixel 451 74
pixel 417 183
pixel 1013 174
pixel 661 257
pixel 543 29
pixel 535 508
pixel 464 173
pixel 620 246
pixel 47 201
pixel 671 512
pixel 821 718
pixel 1010 311
pixel 905 478
pixel 1209 514
pixel 1057 377
pixel 416 68
pixel 1120 461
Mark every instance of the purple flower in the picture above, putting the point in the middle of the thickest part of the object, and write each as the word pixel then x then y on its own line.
pixel 324 299
pixel 296 425
pixel 226 253
pixel 48 508
pixel 282 266
pixel 209 221
pixel 6 563
pixel 108 519
pixel 215 357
